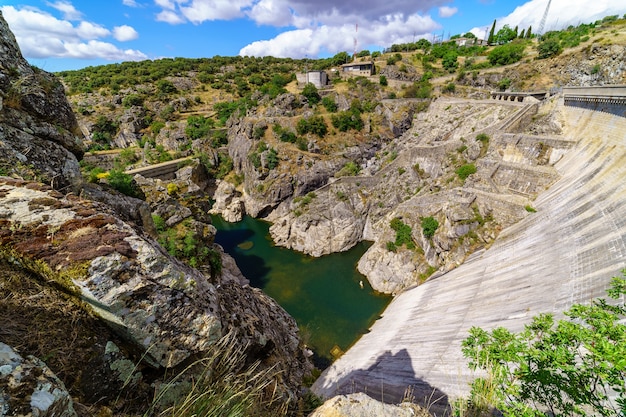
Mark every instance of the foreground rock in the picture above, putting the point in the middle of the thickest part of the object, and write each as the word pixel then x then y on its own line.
pixel 166 312
pixel 29 387
pixel 360 405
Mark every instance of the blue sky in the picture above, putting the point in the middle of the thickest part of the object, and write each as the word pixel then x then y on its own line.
pixel 63 34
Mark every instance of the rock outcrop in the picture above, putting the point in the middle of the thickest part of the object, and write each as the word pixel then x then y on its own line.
pixel 166 311
pixel 39 134
pixel 29 387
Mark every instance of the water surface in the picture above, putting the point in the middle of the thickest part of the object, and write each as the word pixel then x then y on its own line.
pixel 331 301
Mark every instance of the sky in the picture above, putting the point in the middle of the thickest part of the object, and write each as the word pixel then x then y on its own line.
pixel 58 35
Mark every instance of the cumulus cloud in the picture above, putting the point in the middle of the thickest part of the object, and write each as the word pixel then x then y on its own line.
pixel 313 41
pixel 41 35
pixel 125 33
pixel 561 14
pixel 67 8
pixel 446 11
pixel 170 17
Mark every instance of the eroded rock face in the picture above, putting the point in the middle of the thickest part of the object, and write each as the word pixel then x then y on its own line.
pixel 29 388
pixel 170 313
pixel 38 130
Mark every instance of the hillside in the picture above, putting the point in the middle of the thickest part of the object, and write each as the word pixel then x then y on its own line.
pixel 480 212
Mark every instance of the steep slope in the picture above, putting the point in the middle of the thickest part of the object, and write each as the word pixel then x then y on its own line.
pixel 564 253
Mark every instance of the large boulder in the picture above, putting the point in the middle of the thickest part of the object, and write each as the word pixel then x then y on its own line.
pixel 166 311
pixel 361 405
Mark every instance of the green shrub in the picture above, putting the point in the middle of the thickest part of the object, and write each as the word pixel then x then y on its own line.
pixel 568 367
pixel 382 80
pixel 465 171
pixel 329 104
pixel 132 100
pixel 549 48
pixel 123 183
pixel 506 54
pixel 403 233
pixel 346 120
pixel 350 169
pixel 310 92
pixel 315 125
pixel 429 226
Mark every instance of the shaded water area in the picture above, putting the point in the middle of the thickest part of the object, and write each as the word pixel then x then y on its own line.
pixel 324 294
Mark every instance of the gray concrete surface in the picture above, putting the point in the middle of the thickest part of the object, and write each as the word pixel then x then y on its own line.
pixel 564 253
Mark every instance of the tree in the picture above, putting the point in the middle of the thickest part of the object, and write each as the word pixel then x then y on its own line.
pixel 522 34
pixel 505 35
pixel 564 368
pixel 529 32
pixel 310 92
pixel 490 39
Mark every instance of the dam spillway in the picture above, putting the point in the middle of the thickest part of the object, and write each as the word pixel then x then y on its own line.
pixel 565 253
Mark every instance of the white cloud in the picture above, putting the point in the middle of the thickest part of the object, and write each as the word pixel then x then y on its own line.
pixel 88 30
pixel 271 12
pixel 202 10
pixel 561 14
pixel 446 11
pixel 125 33
pixel 68 10
pixel 130 3
pixel 332 39
pixel 41 35
pixel 170 17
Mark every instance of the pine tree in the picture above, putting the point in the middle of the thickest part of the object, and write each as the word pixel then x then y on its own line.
pixel 491 33
pixel 529 32
pixel 522 34
pixel 516 31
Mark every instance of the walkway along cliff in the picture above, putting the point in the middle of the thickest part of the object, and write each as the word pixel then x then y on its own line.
pixel 565 253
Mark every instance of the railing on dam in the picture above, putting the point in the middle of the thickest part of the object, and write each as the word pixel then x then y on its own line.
pixel 608 99
pixel 518 96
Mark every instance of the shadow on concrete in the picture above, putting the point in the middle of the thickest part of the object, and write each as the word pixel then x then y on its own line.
pixel 392 380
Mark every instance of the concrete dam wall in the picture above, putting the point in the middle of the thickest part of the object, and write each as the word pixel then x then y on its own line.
pixel 565 253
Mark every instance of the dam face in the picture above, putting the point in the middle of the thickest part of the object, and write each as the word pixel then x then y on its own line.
pixel 565 253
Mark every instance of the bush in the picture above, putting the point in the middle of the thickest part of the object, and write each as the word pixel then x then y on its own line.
pixel 567 367
pixel 350 169
pixel 310 92
pixel 346 120
pixel 506 54
pixel 123 183
pixel 549 48
pixel 465 171
pixel 329 104
pixel 429 226
pixel 403 233
pixel 315 125
pixel 382 80
pixel 132 100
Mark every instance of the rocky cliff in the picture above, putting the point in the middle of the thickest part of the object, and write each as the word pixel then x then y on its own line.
pixel 156 315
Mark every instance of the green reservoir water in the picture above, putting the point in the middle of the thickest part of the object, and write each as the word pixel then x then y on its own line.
pixel 324 294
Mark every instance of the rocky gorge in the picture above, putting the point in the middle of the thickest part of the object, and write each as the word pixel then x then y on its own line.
pixel 433 183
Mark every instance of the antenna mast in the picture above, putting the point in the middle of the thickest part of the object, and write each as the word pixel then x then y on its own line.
pixel 543 19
